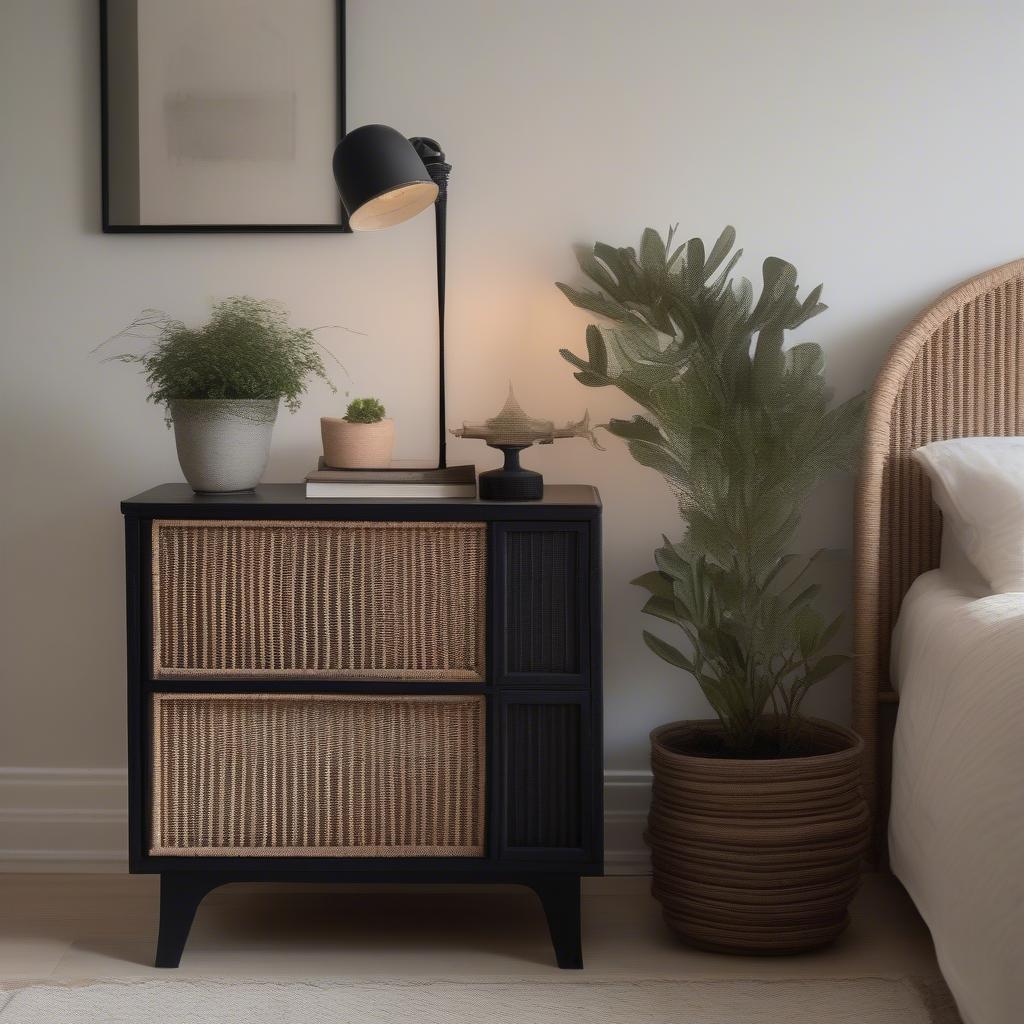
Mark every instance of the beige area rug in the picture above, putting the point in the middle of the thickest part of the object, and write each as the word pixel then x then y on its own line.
pixel 203 1001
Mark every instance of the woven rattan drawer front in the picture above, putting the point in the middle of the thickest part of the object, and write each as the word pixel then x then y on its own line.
pixel 317 775
pixel 328 600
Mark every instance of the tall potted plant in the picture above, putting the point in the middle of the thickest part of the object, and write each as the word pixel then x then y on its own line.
pixel 757 824
pixel 221 385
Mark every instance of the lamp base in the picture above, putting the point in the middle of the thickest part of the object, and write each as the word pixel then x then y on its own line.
pixel 511 482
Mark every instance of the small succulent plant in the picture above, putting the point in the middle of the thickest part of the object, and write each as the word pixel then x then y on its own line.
pixel 365 410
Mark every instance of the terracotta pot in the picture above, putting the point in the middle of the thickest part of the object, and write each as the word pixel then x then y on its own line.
pixel 357 445
pixel 756 856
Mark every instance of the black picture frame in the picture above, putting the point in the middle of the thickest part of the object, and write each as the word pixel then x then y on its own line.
pixel 341 227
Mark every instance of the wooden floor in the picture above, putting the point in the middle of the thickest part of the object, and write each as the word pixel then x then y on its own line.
pixel 103 926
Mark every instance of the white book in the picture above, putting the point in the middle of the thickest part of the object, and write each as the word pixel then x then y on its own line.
pixel 383 489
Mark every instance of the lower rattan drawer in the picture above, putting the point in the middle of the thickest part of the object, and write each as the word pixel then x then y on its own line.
pixel 317 775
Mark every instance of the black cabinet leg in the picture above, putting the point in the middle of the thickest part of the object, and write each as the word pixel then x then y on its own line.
pixel 180 896
pixel 560 897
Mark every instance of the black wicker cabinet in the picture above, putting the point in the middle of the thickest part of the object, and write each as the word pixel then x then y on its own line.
pixel 364 691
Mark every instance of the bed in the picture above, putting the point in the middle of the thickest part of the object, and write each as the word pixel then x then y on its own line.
pixel 945 776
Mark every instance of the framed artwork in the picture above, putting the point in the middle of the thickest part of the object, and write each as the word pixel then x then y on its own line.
pixel 221 115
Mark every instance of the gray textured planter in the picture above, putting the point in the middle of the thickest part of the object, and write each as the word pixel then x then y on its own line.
pixel 223 444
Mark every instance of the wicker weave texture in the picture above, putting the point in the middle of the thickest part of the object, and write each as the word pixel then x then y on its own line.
pixel 956 371
pixel 318 775
pixel 335 600
pixel 756 856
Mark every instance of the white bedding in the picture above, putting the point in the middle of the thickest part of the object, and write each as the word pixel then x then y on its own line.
pixel 956 828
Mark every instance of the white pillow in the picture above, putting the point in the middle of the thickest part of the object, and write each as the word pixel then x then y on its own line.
pixel 955 564
pixel 978 484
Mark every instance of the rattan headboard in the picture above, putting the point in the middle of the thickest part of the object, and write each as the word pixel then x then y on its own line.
pixel 956 371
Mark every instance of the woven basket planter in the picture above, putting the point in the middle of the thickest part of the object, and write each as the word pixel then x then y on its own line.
pixel 757 856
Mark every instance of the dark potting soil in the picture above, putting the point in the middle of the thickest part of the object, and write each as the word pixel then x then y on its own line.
pixel 765 748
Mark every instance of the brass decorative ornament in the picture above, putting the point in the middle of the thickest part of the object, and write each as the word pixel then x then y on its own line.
pixel 510 431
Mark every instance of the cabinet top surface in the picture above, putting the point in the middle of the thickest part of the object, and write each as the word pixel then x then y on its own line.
pixel 281 498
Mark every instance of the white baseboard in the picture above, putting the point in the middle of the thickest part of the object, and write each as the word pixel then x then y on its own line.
pixel 76 819
pixel 63 819
pixel 627 796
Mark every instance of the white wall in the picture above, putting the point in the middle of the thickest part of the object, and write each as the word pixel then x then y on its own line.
pixel 876 145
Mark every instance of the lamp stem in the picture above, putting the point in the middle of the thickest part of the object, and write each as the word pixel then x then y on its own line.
pixel 433 159
pixel 440 218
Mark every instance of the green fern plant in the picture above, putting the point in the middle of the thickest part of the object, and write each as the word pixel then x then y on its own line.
pixel 742 428
pixel 365 410
pixel 246 350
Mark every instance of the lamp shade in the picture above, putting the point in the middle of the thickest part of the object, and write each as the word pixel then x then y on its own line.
pixel 381 178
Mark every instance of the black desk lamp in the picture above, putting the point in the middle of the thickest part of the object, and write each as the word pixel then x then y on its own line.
pixel 384 179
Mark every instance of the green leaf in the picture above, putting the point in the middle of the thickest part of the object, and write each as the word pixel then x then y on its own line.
pixel 828 634
pixel 595 302
pixel 657 583
pixel 779 278
pixel 694 275
pixel 668 653
pixel 620 262
pixel 672 564
pixel 805 596
pixel 597 351
pixel 596 271
pixel 663 609
pixel 574 359
pixel 782 563
pixel 652 253
pixel 657 457
pixel 726 240
pixel 639 428
pixel 824 667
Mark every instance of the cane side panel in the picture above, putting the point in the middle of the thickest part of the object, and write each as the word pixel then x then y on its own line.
pixel 249 775
pixel 957 371
pixel 543 776
pixel 544 604
pixel 328 600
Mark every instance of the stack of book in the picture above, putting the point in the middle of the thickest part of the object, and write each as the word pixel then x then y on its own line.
pixel 401 480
